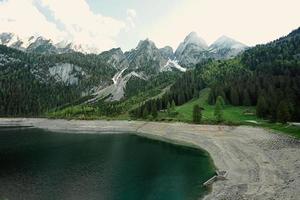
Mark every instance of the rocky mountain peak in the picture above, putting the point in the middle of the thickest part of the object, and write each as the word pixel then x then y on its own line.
pixel 227 42
pixel 192 50
pixel 167 52
pixel 146 44
pixel 194 39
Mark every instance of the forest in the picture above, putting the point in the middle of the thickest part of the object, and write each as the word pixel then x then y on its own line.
pixel 265 76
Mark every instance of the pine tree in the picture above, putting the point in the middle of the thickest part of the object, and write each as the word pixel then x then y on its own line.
pixel 159 104
pixel 169 107
pixel 145 112
pixel 261 107
pixel 154 110
pixel 234 97
pixel 211 97
pixel 219 109
pixel 283 112
pixel 197 114
pixel 246 99
pixel 173 105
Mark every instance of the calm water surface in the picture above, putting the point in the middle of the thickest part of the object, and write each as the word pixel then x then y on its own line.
pixel 40 165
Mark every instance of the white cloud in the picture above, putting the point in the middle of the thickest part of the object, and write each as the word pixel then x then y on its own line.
pixel 79 23
pixel 251 22
pixel 22 18
pixel 131 15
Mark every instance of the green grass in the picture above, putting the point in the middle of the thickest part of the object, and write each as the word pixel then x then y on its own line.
pixel 283 128
pixel 236 115
pixel 232 114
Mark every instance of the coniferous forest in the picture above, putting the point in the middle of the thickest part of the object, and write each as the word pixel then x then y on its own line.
pixel 265 76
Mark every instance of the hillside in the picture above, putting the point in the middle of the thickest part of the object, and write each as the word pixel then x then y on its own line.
pixel 38 76
pixel 261 84
pixel 264 79
pixel 234 115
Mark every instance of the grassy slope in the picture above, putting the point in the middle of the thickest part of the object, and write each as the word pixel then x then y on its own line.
pixel 232 115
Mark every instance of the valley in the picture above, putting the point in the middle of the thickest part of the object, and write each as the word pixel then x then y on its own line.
pixel 117 85
pixel 149 100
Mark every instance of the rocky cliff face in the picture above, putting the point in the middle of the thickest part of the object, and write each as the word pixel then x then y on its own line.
pixel 143 62
pixel 42 45
pixel 225 48
pixel 192 50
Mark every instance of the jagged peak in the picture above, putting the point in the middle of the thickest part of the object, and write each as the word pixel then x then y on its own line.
pixel 145 43
pixel 114 51
pixel 195 39
pixel 167 48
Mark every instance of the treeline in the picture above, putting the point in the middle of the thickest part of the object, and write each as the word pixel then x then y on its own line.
pixel 22 95
pixel 136 86
pixel 272 82
pixel 183 90
pixel 26 89
pixel 266 76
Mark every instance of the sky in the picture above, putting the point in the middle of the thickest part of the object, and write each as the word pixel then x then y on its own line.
pixel 106 24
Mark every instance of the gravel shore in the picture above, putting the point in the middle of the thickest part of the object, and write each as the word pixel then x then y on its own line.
pixel 260 164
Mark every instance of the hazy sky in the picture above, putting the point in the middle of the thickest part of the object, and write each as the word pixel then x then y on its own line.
pixel 112 23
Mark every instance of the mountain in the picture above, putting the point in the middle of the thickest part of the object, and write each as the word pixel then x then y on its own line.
pixel 115 58
pixel 140 64
pixel 60 73
pixel 225 48
pixel 167 52
pixel 266 76
pixel 194 50
pixel 42 45
pixel 146 57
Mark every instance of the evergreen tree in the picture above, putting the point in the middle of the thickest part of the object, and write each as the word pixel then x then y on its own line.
pixel 219 109
pixel 197 114
pixel 211 98
pixel 159 104
pixel 234 97
pixel 173 106
pixel 169 107
pixel 283 112
pixel 261 107
pixel 154 110
pixel 246 99
pixel 145 112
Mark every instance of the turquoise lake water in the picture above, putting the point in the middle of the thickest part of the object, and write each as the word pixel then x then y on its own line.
pixel 40 165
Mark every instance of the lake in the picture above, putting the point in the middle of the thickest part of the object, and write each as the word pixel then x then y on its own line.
pixel 40 165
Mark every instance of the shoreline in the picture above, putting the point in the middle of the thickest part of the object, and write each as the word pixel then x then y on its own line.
pixel 260 165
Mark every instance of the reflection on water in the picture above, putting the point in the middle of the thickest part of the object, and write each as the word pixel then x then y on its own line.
pixel 39 165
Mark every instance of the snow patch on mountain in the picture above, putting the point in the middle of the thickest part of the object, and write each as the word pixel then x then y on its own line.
pixel 172 64
pixel 118 75
pixel 116 91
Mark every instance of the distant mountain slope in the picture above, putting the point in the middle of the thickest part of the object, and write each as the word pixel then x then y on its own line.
pixel 63 72
pixel 225 48
pixel 39 44
pixel 266 76
pixel 194 50
pixel 88 76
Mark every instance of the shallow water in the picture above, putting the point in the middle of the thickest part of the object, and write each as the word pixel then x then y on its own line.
pixel 40 165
